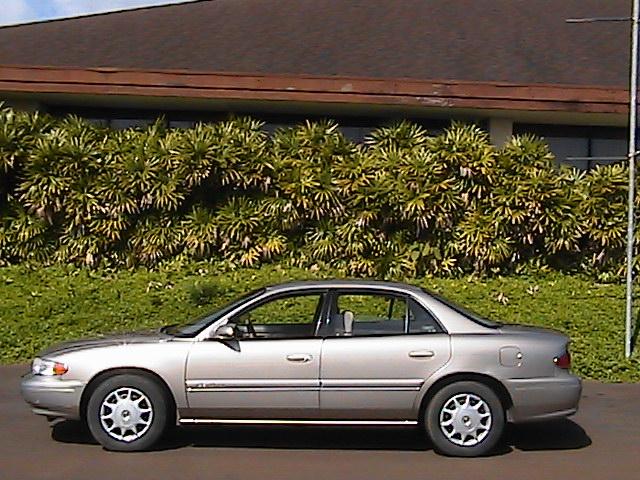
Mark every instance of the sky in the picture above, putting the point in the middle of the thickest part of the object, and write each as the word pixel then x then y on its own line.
pixel 23 11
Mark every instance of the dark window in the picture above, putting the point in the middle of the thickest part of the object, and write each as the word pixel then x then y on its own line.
pixel 122 123
pixel 608 147
pixel 181 123
pixel 581 147
pixel 421 321
pixel 570 150
pixel 355 134
pixel 98 122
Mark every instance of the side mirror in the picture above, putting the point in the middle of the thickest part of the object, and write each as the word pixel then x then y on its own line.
pixel 224 332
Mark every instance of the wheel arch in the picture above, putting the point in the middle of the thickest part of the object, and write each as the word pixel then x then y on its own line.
pixel 494 384
pixel 112 372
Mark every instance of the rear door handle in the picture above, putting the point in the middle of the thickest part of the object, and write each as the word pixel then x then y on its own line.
pixel 422 354
pixel 299 357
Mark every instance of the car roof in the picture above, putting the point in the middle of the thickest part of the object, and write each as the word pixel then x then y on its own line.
pixel 343 283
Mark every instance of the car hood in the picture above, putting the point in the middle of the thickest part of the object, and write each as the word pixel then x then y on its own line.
pixel 147 336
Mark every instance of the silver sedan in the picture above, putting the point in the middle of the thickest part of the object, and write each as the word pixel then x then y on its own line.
pixel 321 352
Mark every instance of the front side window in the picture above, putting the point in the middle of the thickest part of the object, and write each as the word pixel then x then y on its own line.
pixel 292 316
pixel 193 327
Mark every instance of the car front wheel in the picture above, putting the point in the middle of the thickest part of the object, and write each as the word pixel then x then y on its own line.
pixel 465 419
pixel 127 413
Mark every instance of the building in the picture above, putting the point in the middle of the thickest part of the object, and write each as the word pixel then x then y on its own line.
pixel 513 66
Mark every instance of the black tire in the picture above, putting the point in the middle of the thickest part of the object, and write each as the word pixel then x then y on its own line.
pixel 490 435
pixel 157 420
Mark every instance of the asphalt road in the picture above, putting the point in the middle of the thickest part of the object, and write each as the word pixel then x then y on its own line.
pixel 601 442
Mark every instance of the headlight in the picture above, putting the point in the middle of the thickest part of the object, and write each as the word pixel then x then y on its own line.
pixel 42 366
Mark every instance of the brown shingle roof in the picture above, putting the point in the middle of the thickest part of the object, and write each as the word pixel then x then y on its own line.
pixel 518 41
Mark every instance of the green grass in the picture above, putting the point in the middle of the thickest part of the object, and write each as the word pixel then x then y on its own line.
pixel 42 306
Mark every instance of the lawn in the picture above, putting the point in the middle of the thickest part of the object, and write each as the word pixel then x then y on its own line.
pixel 41 306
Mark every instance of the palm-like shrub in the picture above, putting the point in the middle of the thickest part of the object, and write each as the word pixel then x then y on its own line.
pixel 404 203
pixel 154 237
pixel 537 198
pixel 24 236
pixel 242 157
pixel 528 209
pixel 305 186
pixel 603 213
pixel 470 158
pixel 18 132
pixel 245 236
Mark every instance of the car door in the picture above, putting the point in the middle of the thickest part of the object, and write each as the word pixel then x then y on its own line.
pixel 374 363
pixel 272 374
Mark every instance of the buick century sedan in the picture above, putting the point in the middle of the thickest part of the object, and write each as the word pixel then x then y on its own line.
pixel 318 352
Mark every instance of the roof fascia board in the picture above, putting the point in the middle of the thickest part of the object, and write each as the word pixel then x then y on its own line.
pixel 434 93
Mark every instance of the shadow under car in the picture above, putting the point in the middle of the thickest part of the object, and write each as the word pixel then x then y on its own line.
pixel 561 434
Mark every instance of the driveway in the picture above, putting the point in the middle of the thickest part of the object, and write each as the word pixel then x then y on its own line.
pixel 601 442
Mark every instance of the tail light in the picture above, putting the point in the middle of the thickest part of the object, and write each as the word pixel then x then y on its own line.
pixel 564 360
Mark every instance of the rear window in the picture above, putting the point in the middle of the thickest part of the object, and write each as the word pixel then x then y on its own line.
pixel 473 316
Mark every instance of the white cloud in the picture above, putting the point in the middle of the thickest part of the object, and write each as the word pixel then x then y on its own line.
pixel 21 11
pixel 66 8
pixel 16 11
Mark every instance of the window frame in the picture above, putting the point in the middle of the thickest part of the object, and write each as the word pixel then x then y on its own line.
pixel 331 303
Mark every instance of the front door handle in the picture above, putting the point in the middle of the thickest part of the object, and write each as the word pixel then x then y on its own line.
pixel 422 354
pixel 299 357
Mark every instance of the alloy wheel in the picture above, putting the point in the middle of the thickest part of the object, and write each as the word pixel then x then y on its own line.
pixel 465 419
pixel 126 414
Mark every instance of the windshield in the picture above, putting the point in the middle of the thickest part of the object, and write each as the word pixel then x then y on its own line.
pixel 474 317
pixel 194 327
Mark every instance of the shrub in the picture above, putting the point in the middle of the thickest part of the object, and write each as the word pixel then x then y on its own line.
pixel 404 203
pixel 201 294
pixel 42 306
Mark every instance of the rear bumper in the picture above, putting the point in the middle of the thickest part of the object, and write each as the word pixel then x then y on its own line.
pixel 51 396
pixel 536 399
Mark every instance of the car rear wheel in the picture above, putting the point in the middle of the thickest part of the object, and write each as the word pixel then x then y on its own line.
pixel 465 419
pixel 128 413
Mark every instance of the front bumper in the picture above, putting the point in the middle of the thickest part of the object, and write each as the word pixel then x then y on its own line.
pixel 536 399
pixel 52 396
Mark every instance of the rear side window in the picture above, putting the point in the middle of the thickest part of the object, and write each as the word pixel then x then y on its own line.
pixel 369 314
pixel 372 314
pixel 420 320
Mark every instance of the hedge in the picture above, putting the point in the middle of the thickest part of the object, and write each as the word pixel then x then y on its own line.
pixel 44 305
pixel 404 203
